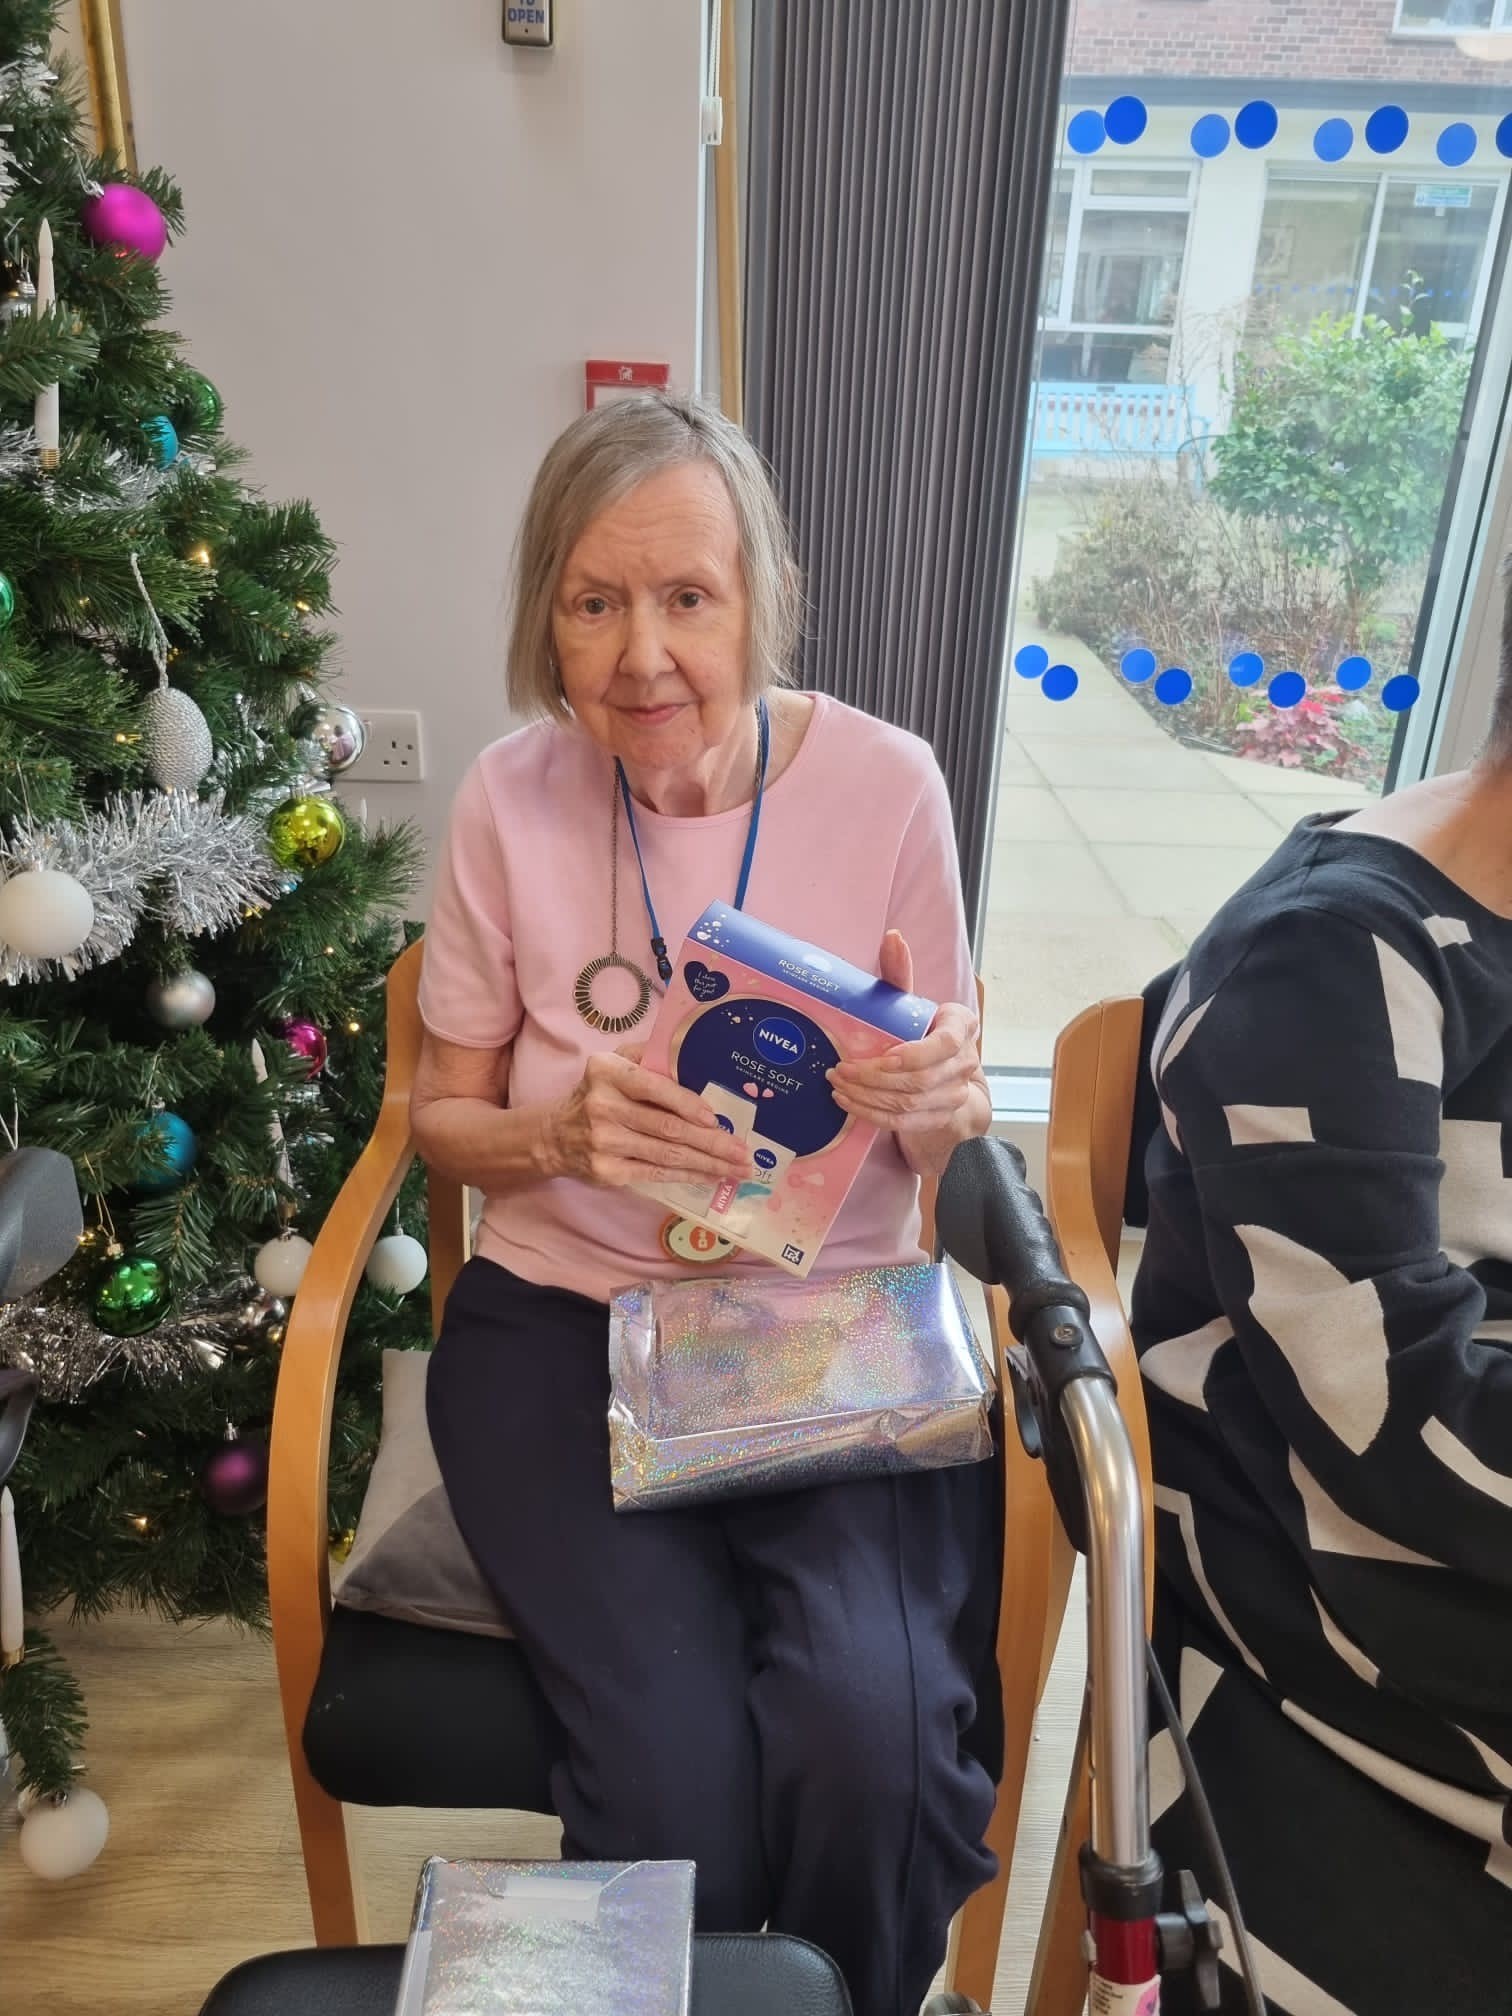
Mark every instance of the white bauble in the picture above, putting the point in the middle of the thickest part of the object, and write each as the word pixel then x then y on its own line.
pixel 183 1002
pixel 280 1265
pixel 45 914
pixel 61 1837
pixel 397 1264
pixel 175 739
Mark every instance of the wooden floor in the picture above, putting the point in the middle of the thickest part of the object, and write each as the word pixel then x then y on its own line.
pixel 202 1866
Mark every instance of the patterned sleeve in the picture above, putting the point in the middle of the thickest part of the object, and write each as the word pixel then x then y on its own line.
pixel 1305 1094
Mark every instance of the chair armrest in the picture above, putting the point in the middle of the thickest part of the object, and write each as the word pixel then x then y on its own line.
pixel 1095 1060
pixel 299 1585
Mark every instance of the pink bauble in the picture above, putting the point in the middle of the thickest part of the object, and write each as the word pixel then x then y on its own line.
pixel 126 218
pixel 235 1480
pixel 307 1040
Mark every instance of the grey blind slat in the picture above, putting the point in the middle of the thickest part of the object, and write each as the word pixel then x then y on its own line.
pixel 899 165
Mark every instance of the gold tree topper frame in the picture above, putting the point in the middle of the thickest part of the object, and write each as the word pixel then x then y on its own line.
pixel 105 61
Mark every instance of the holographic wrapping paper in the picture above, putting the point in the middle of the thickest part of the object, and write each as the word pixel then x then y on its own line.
pixel 550 1939
pixel 754 1383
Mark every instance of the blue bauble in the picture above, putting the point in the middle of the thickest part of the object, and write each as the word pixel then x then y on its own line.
pixel 162 439
pixel 167 1139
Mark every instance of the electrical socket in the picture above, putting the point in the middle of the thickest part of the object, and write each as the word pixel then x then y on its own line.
pixel 393 753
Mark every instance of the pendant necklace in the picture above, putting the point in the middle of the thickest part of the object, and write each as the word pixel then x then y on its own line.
pixel 582 993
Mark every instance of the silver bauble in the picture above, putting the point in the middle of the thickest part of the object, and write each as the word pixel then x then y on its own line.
pixel 338 733
pixel 262 1312
pixel 175 740
pixel 183 1002
pixel 271 1311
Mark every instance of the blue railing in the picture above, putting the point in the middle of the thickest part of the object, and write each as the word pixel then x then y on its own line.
pixel 1073 419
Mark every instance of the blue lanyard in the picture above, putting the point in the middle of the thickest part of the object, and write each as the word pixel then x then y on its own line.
pixel 764 750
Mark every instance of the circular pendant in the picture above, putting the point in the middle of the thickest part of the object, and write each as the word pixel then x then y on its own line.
pixel 685 1240
pixel 595 1017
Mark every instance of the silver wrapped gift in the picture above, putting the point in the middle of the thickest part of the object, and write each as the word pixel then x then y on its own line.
pixel 763 1383
pixel 550 1939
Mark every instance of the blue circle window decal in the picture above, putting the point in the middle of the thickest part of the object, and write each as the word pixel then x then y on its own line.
pixel 1255 124
pixel 1173 686
pixel 1456 144
pixel 1031 660
pixel 1059 683
pixel 1125 120
pixel 1333 139
pixel 1398 694
pixel 1286 689
pixel 1504 136
pixel 1137 665
pixel 1210 135
pixel 1246 667
pixel 1086 133
pixel 1386 129
pixel 1353 674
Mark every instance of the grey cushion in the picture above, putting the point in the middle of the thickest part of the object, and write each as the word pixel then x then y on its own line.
pixel 409 1561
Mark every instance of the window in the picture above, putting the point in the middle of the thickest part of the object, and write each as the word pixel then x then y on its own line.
pixel 1409 248
pixel 1451 17
pixel 1214 635
pixel 1114 261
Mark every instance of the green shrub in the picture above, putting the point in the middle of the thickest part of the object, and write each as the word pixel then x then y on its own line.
pixel 1154 565
pixel 1343 443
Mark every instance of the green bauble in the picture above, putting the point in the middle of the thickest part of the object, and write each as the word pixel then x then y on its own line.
pixel 304 832
pixel 7 600
pixel 130 1296
pixel 199 407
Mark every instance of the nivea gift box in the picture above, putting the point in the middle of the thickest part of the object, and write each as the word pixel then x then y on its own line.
pixel 753 1021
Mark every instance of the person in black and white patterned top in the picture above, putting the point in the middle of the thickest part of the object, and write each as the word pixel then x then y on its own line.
pixel 1324 1318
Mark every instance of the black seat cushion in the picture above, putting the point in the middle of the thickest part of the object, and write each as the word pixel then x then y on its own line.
pixel 744 1974
pixel 406 1716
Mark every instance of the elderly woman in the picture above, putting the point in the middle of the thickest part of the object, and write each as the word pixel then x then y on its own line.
pixel 1324 1313
pixel 782 1688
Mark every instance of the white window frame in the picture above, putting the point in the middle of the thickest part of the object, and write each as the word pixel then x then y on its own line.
pixel 1384 177
pixel 1058 321
pixel 1437 31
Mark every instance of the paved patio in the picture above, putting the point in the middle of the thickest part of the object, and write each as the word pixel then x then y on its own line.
pixel 1113 846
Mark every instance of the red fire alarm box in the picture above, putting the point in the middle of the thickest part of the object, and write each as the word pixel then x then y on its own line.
pixel 607 379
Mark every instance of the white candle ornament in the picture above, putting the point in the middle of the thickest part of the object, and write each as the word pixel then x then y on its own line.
pixel 12 1626
pixel 45 413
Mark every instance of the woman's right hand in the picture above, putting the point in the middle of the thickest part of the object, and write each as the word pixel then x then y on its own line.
pixel 622 1124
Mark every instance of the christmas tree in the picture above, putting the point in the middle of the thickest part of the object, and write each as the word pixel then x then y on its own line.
pixel 193 932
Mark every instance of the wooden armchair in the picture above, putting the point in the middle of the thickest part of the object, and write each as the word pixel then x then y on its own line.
pixel 1094 1153
pixel 382 1713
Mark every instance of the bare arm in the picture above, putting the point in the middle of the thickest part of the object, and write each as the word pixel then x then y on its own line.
pixel 462 1127
pixel 619 1125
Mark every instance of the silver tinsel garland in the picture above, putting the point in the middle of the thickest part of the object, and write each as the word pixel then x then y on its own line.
pixel 136 483
pixel 184 861
pixel 27 78
pixel 69 1353
pixel 18 452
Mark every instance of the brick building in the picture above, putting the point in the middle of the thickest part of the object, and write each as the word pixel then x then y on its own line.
pixel 1171 253
pixel 1403 42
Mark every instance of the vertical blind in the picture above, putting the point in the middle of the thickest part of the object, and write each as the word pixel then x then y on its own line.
pixel 898 167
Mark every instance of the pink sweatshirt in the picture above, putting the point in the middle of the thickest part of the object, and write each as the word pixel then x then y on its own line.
pixel 856 839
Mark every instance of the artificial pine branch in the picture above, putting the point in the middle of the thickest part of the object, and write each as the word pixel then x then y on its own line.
pixel 43 1712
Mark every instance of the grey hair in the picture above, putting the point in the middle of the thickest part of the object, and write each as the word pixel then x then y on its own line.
pixel 590 467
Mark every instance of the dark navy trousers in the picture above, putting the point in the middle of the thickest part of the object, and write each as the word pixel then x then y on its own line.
pixel 782 1689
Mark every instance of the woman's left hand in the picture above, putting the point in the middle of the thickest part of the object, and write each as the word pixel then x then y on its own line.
pixel 932 1087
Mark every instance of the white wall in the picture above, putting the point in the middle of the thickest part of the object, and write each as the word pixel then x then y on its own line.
pixel 404 239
